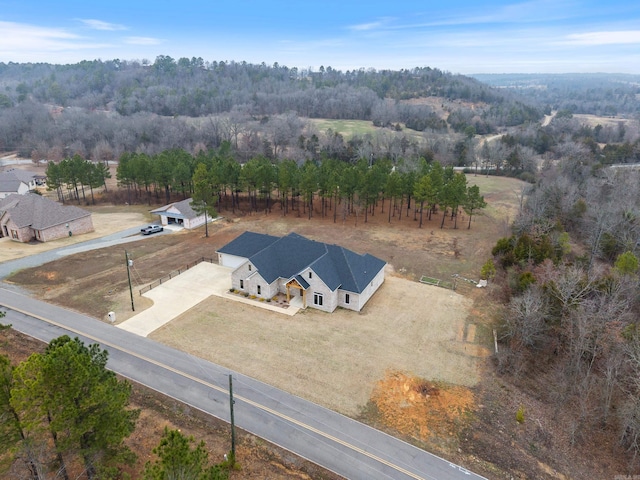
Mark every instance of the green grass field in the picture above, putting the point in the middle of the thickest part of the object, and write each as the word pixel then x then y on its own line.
pixel 347 128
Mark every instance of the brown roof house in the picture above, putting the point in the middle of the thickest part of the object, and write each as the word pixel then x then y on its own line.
pixel 31 217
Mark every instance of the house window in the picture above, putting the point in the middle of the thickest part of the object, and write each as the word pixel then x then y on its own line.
pixel 317 299
pixel 258 289
pixel 14 234
pixel 241 284
pixel 249 267
pixel 346 298
pixel 310 275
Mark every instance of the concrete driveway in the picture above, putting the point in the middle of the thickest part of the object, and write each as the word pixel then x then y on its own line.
pixel 176 296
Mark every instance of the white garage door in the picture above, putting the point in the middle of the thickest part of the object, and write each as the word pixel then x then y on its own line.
pixel 231 261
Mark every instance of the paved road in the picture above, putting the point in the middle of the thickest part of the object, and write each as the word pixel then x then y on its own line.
pixel 333 441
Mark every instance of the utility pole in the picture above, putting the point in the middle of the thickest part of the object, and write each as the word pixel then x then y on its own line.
pixel 206 226
pixel 233 426
pixel 129 264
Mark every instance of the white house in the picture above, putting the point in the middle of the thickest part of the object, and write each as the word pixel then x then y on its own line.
pixel 325 276
pixel 16 181
pixel 180 213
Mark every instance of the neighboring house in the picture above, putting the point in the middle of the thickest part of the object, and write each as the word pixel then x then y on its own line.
pixel 180 213
pixel 31 217
pixel 325 276
pixel 16 181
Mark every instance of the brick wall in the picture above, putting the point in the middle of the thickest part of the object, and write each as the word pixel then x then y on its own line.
pixel 24 234
pixel 76 227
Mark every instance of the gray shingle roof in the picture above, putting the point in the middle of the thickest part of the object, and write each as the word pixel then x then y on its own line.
pixel 10 181
pixel 303 283
pixel 248 244
pixel 9 185
pixel 286 257
pixel 184 207
pixel 22 175
pixel 37 212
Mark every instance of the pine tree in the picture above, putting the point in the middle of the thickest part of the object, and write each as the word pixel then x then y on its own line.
pixel 178 459
pixel 69 393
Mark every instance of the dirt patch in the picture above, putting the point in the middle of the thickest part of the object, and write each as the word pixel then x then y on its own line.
pixel 424 410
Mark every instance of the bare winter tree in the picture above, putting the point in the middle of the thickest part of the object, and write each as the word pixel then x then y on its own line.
pixel 525 319
pixel 102 152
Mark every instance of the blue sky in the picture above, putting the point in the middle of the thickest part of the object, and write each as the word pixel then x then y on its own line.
pixel 460 36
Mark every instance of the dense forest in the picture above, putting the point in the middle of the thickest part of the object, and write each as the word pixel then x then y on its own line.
pixel 568 277
pixel 100 110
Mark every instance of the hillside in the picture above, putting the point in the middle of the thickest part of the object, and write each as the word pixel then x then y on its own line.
pixel 102 109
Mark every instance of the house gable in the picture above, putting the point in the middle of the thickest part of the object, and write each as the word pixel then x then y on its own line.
pixel 287 256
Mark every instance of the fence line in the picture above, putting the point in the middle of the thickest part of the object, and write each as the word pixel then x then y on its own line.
pixel 173 274
pixel 438 283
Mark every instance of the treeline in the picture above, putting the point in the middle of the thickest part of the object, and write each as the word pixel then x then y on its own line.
pixel 569 277
pixel 74 174
pixel 593 93
pixel 100 109
pixel 64 415
pixel 340 189
pixel 193 87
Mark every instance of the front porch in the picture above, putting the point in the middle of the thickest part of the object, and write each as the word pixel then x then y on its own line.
pixel 299 293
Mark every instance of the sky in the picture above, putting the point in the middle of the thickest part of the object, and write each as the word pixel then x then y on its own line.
pixel 458 36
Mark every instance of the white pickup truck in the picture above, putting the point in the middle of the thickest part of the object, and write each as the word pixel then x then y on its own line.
pixel 148 230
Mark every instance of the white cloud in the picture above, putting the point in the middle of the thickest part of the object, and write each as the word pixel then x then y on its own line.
pixel 17 38
pixel 142 41
pixel 366 26
pixel 517 13
pixel 620 37
pixel 379 24
pixel 100 25
pixel 28 32
pixel 24 43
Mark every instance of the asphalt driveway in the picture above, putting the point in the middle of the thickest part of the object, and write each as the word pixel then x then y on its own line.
pixel 124 236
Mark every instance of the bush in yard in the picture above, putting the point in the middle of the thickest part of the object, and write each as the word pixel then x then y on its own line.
pixel 520 415
pixel 488 270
